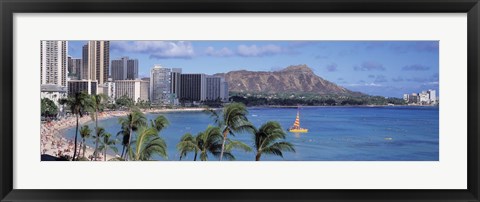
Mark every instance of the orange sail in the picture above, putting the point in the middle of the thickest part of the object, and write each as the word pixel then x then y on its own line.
pixel 296 125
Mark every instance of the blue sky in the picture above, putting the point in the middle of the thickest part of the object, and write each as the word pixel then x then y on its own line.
pixel 386 68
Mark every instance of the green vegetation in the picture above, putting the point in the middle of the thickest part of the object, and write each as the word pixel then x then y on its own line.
pixel 142 104
pixel 268 140
pixel 131 123
pixel 123 102
pixel 159 123
pixel 293 99
pixel 232 120
pixel 188 143
pixel 148 143
pixel 141 141
pixel 78 103
pixel 125 133
pixel 213 103
pixel 98 103
pixel 207 142
pixel 107 143
pixel 84 133
pixel 48 108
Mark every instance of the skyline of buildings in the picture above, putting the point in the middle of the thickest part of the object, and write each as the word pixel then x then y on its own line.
pixel 124 69
pixel 94 69
pixel 426 97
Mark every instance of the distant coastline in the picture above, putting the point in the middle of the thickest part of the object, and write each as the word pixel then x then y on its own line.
pixel 338 106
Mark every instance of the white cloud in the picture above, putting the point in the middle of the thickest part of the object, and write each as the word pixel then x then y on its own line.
pixel 255 51
pixel 224 52
pixel 246 51
pixel 156 49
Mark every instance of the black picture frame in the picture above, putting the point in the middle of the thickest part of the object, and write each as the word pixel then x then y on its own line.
pixel 10 7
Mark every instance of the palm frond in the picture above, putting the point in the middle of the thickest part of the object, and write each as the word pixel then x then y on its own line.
pixel 85 131
pixel 226 155
pixel 160 123
pixel 155 146
pixel 214 115
pixel 187 143
pixel 235 144
pixel 148 144
pixel 267 140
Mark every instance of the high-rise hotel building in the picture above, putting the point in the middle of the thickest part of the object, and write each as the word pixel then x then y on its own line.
pixel 95 61
pixel 193 87
pixel 134 89
pixel 217 88
pixel 175 78
pixel 108 89
pixel 224 93
pixel 164 85
pixel 124 69
pixel 54 62
pixel 74 67
pixel 213 87
pixel 87 86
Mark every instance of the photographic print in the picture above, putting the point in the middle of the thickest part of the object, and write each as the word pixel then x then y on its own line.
pixel 239 100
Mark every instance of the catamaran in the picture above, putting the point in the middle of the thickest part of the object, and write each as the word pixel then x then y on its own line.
pixel 296 125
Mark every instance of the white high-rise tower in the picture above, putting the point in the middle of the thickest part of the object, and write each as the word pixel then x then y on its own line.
pixel 54 62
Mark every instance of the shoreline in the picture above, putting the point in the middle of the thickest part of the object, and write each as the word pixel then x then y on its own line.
pixel 339 106
pixel 52 134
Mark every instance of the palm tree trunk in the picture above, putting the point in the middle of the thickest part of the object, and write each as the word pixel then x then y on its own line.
pixel 128 147
pixel 257 157
pixel 84 147
pixel 96 141
pixel 223 143
pixel 80 150
pixel 105 155
pixel 123 150
pixel 75 148
pixel 195 157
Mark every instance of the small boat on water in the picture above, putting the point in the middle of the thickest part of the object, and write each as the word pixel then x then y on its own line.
pixel 296 125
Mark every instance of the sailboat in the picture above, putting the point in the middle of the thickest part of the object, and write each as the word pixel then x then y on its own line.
pixel 296 125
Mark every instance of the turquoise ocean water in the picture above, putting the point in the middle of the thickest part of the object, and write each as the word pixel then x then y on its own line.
pixel 393 133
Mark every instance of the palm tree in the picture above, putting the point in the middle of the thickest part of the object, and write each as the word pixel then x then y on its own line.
pixel 233 119
pixel 159 123
pixel 107 143
pixel 84 133
pixel 98 102
pixel 188 143
pixel 125 133
pixel 100 132
pixel 210 142
pixel 147 144
pixel 268 140
pixel 132 122
pixel 78 104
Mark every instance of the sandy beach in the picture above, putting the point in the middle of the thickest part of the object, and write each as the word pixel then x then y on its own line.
pixel 54 143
